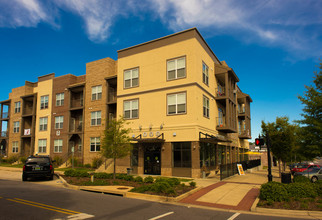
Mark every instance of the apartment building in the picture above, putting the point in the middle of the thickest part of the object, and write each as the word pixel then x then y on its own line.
pixel 183 105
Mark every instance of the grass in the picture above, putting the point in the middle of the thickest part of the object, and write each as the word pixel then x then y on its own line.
pixel 2 164
pixel 75 168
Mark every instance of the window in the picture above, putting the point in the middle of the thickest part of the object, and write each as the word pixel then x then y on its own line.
pixel 220 117
pixel 95 144
pixel 131 109
pixel 42 144
pixel 44 102
pixel 181 154
pixel 96 93
pixel 135 155
pixel 17 107
pixel 59 121
pixel 15 147
pixel 96 118
pixel 176 103
pixel 205 76
pixel 16 126
pixel 60 99
pixel 131 78
pixel 58 146
pixel 176 68
pixel 43 124
pixel 205 107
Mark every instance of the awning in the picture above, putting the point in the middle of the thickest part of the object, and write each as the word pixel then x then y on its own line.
pixel 158 139
pixel 204 137
pixel 252 153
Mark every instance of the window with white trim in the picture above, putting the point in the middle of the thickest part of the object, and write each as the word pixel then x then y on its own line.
pixel 15 147
pixel 205 107
pixel 42 145
pixel 96 118
pixel 43 122
pixel 60 99
pixel 16 126
pixel 176 103
pixel 176 68
pixel 131 109
pixel 17 107
pixel 96 93
pixel 59 121
pixel 205 74
pixel 95 144
pixel 131 78
pixel 58 146
pixel 44 102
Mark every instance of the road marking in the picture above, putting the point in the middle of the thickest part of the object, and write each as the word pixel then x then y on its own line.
pixel 234 216
pixel 43 206
pixel 161 216
pixel 80 216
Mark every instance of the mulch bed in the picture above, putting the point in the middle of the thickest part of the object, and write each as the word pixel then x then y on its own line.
pixel 86 181
pixel 308 204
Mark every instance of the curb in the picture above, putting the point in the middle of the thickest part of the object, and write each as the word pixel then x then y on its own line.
pixel 287 213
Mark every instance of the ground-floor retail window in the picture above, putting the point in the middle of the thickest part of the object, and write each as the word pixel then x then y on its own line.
pixel 135 155
pixel 207 154
pixel 181 154
pixel 221 154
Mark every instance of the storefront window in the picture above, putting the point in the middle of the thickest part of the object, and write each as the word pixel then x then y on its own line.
pixel 181 154
pixel 135 155
pixel 207 154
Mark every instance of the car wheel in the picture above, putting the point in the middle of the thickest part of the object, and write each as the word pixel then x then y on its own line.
pixel 24 178
pixel 314 179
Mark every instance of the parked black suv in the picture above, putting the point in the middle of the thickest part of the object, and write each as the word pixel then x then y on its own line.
pixel 38 166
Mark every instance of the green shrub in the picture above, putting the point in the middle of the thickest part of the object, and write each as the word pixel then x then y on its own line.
pixel 138 179
pixel 87 165
pixel 103 175
pixel 318 187
pixel 121 176
pixel 129 178
pixel 76 161
pixel 22 160
pixel 193 184
pixel 301 190
pixel 140 189
pixel 97 162
pixel 76 173
pixel 301 179
pixel 160 187
pixel 148 179
pixel 12 159
pixel 273 191
pixel 58 160
pixel 174 181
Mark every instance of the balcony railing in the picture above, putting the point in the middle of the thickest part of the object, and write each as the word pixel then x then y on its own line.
pixel 4 133
pixel 241 110
pixel 27 132
pixel 27 111
pixel 220 91
pixel 76 127
pixel 111 96
pixel 221 122
pixel 75 103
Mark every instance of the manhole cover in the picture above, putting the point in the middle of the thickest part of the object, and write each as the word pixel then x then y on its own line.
pixel 122 188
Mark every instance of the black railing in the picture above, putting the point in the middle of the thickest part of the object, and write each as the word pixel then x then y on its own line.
pixel 227 170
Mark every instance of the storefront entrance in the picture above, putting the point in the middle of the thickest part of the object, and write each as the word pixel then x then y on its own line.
pixel 152 158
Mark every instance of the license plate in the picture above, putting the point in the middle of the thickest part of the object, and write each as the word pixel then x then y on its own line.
pixel 38 168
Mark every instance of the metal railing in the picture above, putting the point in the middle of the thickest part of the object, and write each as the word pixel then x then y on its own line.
pixel 76 103
pixel 4 133
pixel 227 170
pixel 220 91
pixel 221 122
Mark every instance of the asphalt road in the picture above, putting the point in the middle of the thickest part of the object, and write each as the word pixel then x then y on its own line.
pixel 40 199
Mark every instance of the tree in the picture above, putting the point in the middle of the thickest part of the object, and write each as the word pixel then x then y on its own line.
pixel 311 130
pixel 282 136
pixel 116 142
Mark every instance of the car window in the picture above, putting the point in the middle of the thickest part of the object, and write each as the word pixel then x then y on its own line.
pixel 303 166
pixel 40 160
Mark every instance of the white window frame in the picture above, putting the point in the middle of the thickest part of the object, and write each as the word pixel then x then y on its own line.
pixel 59 122
pixel 175 96
pixel 131 108
pixel 96 118
pixel 60 97
pixel 95 142
pixel 15 147
pixel 205 74
pixel 17 107
pixel 58 146
pixel 131 78
pixel 206 107
pixel 16 126
pixel 175 68
pixel 42 145
pixel 96 92
pixel 43 124
pixel 44 102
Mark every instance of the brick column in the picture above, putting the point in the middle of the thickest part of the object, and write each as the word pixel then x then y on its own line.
pixel 195 159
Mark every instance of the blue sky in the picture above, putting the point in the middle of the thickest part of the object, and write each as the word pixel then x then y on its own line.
pixel 273 46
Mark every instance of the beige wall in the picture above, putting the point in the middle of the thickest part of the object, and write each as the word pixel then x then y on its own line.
pixel 44 88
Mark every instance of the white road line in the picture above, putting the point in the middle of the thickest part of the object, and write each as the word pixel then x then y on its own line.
pixel 161 216
pixel 234 216
pixel 80 216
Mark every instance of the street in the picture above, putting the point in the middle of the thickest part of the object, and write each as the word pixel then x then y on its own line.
pixel 41 199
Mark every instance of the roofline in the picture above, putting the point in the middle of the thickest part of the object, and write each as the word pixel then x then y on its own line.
pixel 171 35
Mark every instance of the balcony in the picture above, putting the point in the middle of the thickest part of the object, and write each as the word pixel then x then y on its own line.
pixel 27 132
pixel 244 134
pixel 223 126
pixel 5 115
pixel 76 128
pixel 111 96
pixel 4 134
pixel 76 103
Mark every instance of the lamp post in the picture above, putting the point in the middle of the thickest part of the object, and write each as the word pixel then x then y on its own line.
pixel 268 143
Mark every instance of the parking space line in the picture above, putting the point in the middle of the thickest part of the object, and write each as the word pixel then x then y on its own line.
pixel 234 216
pixel 161 216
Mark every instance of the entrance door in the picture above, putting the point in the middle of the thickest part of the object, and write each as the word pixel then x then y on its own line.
pixel 152 159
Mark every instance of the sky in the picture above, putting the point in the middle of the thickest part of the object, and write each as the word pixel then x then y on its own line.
pixel 274 46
